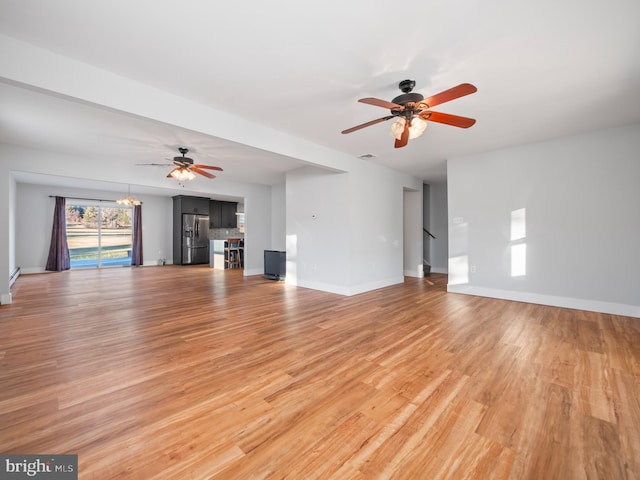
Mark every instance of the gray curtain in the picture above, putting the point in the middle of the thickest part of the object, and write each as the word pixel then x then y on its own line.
pixel 58 259
pixel 136 248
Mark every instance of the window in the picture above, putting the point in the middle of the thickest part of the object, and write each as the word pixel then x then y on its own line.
pixel 99 236
pixel 518 243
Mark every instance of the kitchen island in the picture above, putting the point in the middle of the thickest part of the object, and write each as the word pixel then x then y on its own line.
pixel 222 257
pixel 216 257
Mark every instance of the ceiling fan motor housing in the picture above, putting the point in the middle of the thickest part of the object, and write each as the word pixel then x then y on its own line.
pixel 183 160
pixel 408 97
pixel 410 101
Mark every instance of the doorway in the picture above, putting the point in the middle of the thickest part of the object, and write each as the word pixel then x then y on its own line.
pixel 98 235
pixel 412 233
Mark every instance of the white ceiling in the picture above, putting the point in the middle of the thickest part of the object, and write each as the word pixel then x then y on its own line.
pixel 44 121
pixel 543 69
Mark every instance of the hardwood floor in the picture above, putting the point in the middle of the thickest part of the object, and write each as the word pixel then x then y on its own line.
pixel 194 373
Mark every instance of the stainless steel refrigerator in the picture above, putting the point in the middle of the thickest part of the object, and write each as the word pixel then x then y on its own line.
pixel 195 238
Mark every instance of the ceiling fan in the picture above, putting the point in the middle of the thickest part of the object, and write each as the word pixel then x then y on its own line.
pixel 184 168
pixel 412 111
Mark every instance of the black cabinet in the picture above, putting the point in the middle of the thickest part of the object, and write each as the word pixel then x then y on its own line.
pixel 187 204
pixel 223 214
pixel 228 215
pixel 215 214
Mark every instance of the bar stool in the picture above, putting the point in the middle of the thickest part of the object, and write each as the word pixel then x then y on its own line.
pixel 232 255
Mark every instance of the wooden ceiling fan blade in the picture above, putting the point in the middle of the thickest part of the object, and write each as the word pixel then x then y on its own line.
pixel 448 119
pixel 201 172
pixel 209 167
pixel 376 102
pixel 451 94
pixel 404 138
pixel 368 124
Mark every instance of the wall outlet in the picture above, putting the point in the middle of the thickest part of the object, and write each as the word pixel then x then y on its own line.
pixel 473 269
pixel 457 220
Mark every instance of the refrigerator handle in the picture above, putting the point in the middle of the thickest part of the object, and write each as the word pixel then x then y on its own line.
pixel 197 228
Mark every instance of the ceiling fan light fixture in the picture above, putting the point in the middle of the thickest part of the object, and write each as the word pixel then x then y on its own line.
pixel 416 127
pixel 128 200
pixel 183 174
pixel 397 128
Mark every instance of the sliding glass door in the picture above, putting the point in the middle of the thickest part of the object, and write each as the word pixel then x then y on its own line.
pixel 98 235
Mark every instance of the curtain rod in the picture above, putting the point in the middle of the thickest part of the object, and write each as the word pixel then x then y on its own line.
pixel 88 199
pixel 80 198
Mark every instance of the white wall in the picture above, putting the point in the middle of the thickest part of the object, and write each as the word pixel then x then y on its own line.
pixel 35 218
pixel 13 192
pixel 345 231
pixel 317 229
pixel 257 236
pixel 582 200
pixel 34 211
pixel 278 217
pixel 376 220
pixel 7 254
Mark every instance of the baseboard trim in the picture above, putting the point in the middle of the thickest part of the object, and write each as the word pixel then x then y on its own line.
pixel 324 287
pixel 29 271
pixel 14 276
pixel 414 273
pixel 367 287
pixel 253 271
pixel 551 300
pixel 348 291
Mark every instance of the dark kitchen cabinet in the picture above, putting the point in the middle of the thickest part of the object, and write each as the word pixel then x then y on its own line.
pixel 215 214
pixel 186 249
pixel 187 204
pixel 223 214
pixel 228 215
